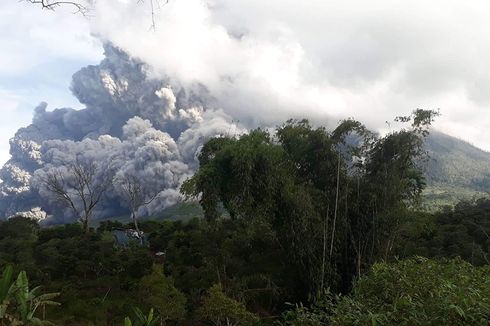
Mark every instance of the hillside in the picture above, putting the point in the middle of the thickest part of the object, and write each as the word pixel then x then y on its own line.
pixel 456 170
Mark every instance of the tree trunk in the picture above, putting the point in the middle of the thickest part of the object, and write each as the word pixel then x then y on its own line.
pixel 358 263
pixel 336 207
pixel 135 221
pixel 136 227
pixel 325 231
pixel 85 224
pixel 86 220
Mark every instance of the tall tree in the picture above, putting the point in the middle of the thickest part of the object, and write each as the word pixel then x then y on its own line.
pixel 291 180
pixel 80 186
pixel 133 191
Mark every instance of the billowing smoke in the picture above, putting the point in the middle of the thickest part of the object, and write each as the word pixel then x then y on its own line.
pixel 132 125
pixel 36 213
pixel 266 61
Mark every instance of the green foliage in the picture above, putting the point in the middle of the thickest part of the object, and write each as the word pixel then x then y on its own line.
pixel 243 256
pixel 17 239
pixel 5 288
pixel 19 303
pixel 418 291
pixel 222 310
pixel 229 167
pixel 316 315
pixel 184 244
pixel 94 278
pixel 29 300
pixel 158 291
pixel 298 214
pixel 347 191
pixel 140 319
pixel 5 282
pixel 462 231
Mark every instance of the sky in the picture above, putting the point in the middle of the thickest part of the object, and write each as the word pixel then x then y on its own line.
pixel 39 52
pixel 267 61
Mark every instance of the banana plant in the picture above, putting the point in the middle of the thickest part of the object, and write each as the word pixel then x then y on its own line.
pixel 29 300
pixel 5 290
pixel 141 319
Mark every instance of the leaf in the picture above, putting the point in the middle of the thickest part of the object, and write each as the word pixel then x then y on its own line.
pixel 47 296
pixel 139 315
pixel 127 322
pixel 21 292
pixel 5 282
pixel 458 309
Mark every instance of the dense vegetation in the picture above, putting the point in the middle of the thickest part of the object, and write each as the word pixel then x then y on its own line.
pixel 301 227
pixel 416 291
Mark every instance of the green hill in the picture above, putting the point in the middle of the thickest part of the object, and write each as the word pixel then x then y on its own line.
pixel 455 170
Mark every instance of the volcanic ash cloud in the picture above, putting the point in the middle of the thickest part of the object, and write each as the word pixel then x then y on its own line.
pixel 132 125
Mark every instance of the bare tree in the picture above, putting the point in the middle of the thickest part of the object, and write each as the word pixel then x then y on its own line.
pixel 79 187
pixel 132 189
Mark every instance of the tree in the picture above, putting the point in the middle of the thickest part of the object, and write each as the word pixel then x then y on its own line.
pixel 357 185
pixel 224 311
pixel 80 186
pixel 462 231
pixel 132 190
pixel 18 236
pixel 158 291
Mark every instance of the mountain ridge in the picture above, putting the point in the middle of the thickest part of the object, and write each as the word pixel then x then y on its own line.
pixel 456 170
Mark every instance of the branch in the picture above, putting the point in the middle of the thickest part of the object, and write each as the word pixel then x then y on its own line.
pixel 84 9
pixel 55 183
pixel 52 5
pixel 152 6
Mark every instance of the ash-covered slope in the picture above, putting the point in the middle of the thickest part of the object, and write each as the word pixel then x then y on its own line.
pixel 140 125
pixel 456 169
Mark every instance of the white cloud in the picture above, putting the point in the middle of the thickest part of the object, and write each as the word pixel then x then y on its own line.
pixel 40 51
pixel 8 108
pixel 270 60
pixel 32 37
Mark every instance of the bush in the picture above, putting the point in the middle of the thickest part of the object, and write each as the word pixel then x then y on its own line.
pixel 158 291
pixel 222 310
pixel 418 291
